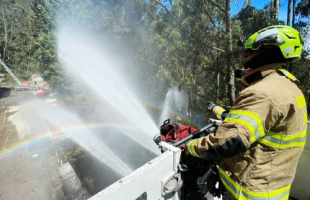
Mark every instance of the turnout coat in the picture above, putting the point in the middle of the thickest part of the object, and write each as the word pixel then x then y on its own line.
pixel 262 137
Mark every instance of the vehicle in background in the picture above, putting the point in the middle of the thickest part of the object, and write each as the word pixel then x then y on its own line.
pixel 45 93
pixel 36 82
pixel 23 88
pixel 41 85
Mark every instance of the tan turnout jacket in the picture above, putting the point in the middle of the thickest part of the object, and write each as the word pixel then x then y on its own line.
pixel 262 138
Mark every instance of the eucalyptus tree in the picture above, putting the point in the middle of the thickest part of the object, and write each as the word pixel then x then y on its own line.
pixel 276 4
pixel 252 19
pixel 14 36
pixel 289 7
pixel 43 45
pixel 190 41
pixel 301 68
pixel 303 9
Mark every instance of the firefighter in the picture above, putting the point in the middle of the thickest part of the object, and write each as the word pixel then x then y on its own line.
pixel 217 110
pixel 261 139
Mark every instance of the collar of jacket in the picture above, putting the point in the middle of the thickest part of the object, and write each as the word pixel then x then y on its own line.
pixel 258 74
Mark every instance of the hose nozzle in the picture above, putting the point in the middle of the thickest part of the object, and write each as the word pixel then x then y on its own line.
pixel 157 139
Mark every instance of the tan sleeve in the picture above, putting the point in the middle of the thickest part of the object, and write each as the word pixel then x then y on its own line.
pixel 244 124
pixel 217 111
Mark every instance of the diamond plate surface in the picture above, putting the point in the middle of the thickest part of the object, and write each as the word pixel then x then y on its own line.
pixel 72 185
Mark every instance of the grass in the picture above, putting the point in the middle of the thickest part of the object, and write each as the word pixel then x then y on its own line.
pixel 7 85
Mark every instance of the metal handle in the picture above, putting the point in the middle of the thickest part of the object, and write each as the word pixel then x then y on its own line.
pixel 177 186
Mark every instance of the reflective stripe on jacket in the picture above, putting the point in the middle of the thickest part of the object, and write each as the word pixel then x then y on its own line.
pixel 262 137
pixel 242 193
pixel 218 111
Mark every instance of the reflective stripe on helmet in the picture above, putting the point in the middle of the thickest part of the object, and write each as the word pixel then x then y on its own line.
pixel 248 119
pixel 242 193
pixel 191 148
pixel 276 140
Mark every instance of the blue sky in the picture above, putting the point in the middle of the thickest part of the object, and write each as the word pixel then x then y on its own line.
pixel 259 4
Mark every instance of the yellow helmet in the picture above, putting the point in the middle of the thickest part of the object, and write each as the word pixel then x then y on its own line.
pixel 286 38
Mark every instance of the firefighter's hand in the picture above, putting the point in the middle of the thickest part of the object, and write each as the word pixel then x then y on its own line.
pixel 210 105
pixel 190 148
pixel 185 152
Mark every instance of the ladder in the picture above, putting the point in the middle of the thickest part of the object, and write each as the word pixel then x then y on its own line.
pixel 11 73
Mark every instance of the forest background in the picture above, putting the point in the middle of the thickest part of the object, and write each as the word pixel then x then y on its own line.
pixel 190 44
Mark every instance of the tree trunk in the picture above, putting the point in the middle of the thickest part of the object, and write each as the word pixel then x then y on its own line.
pixel 288 22
pixel 229 57
pixel 5 35
pixel 29 57
pixel 218 71
pixel 276 4
pixel 290 65
pixel 293 20
pixel 217 78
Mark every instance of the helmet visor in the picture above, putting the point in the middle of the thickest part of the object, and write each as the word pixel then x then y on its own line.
pixel 271 39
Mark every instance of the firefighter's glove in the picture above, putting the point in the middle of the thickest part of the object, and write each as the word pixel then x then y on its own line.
pixel 190 148
pixel 210 105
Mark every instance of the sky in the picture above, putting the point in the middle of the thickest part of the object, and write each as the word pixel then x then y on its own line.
pixel 259 4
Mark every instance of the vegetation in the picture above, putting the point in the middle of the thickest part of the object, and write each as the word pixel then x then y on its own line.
pixel 192 44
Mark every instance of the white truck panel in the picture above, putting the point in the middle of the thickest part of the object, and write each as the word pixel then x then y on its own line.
pixel 145 182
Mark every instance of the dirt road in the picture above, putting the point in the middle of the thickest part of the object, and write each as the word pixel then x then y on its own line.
pixel 46 153
pixel 28 162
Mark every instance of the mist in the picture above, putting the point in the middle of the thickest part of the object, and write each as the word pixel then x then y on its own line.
pixel 90 60
pixel 108 71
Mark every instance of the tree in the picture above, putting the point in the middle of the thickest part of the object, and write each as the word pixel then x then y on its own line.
pixel 289 5
pixel 301 69
pixel 229 55
pixel 190 44
pixel 303 9
pixel 252 19
pixel 43 48
pixel 14 42
pixel 276 4
pixel 189 36
pixel 294 13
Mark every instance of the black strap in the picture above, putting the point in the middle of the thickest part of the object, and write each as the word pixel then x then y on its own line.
pixel 254 77
pixel 176 128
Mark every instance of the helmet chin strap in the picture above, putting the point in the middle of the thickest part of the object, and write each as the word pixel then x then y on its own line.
pixel 265 58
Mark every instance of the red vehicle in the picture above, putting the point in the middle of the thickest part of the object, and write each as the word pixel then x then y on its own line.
pixel 23 88
pixel 45 93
